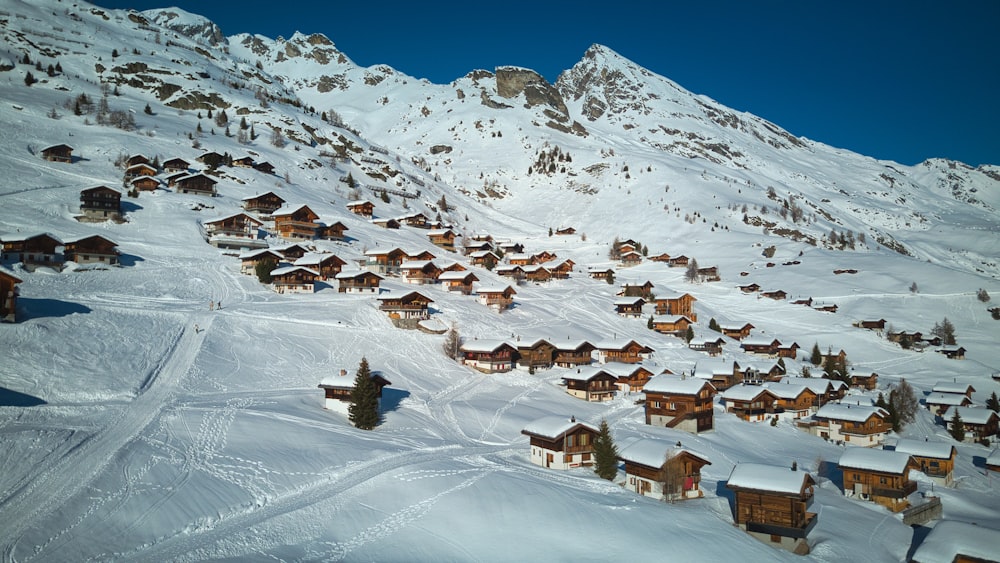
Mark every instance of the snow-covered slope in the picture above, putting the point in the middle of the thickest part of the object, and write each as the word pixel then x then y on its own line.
pixel 128 434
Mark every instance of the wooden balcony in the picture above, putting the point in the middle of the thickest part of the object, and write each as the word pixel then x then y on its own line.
pixel 886 492
pixel 784 531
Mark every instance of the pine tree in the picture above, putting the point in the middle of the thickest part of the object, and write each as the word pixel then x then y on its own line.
pixel 691 274
pixel 689 335
pixel 903 405
pixel 605 453
pixel 817 357
pixel 993 403
pixel 363 410
pixel 957 429
pixel 649 323
pixel 714 325
pixel 263 270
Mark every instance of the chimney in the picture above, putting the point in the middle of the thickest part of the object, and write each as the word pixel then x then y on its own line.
pixel 343 373
pixel 572 418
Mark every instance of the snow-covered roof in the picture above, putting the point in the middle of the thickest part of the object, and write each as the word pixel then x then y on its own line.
pixel 949 399
pixel 484 345
pixel 439 232
pixel 453 275
pixel 628 301
pixel 925 448
pixel 665 383
pixel 586 373
pixel 950 538
pixel 970 415
pixel 621 368
pixel 708 367
pixel 759 341
pixel 886 461
pixel 654 453
pixel 554 426
pixel 619 344
pixel 994 457
pixel 744 392
pixel 495 289
pixel 357 202
pixel 952 387
pixel 819 385
pixel 315 258
pixel 401 293
pixel 382 251
pixel 772 478
pixel 853 413
pixel 570 345
pixel 289 269
pixel 351 274
pixel 786 390
pixel 415 264
pixel 258 253
pixel 244 214
pixel 288 210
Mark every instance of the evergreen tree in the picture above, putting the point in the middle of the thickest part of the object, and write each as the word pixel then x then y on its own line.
pixel 263 270
pixel 605 453
pixel 29 79
pixel 817 357
pixel 903 404
pixel 649 323
pixel 452 343
pixel 993 403
pixel 691 274
pixel 957 429
pixel 945 331
pixel 385 196
pixel 689 334
pixel 148 110
pixel 363 410
pixel 714 325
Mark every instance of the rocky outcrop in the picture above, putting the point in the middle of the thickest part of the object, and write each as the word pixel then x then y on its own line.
pixel 512 82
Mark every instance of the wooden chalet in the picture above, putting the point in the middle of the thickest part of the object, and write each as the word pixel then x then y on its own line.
pixel 360 281
pixel 265 167
pixel 808 301
pixel 878 326
pixel 543 257
pixel 385 260
pixel 171 180
pixel 776 294
pixel 772 504
pixel 590 384
pixel 139 170
pixel 827 307
pixel 405 308
pixel 509 246
pixel 601 273
pixel 499 298
pixel 8 295
pixel 901 336
pixel 627 245
pixel 574 353
pixel 629 259
pixel 752 403
pixel 296 222
pixel 629 307
pixel 243 162
pixel 386 223
pixel 199 184
pixel 761 346
pixel 624 351
pixel 565 231
pixel 661 257
pixel 677 261
pixel 337 390
pixel 263 204
pixel 662 470
pixel 535 354
pixel 488 356
pixel 867 382
pixel 135 159
pixel 520 259
pixel 939 403
pixel 443 238
pixel 709 274
pixel 952 352
pixel 473 245
pixel 630 377
pixel 682 304
pixel 788 351
pixel 676 326
pixel 536 273
pixel 879 476
pixel 934 459
pixel 954 387
pixel 759 373
pixel 330 230
pixel 294 279
pixel 42 248
pixel 561 270
pixel 100 203
pixel 327 264
pixel 418 220
pixel 750 288
pixel 293 251
pixel 458 280
pixel 953 541
pixel 484 258
pixel 233 231
pixel 91 249
pixel 979 423
pixel 710 347
pixel 825 390
pixel 58 153
pixel 738 332
pixel 250 259
pixel 176 165
pixel 362 207
pixel 722 372
pixel 794 401
pixel 853 425
pixel 420 272
pixel 561 443
pixel 644 290
pixel 145 183
pixel 212 159
pixel 682 403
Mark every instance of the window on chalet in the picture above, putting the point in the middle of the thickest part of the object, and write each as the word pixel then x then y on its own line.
pixel 672 406
pixel 883 480
pixel 584 439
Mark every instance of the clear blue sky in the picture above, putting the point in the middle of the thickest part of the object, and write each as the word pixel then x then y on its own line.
pixel 900 80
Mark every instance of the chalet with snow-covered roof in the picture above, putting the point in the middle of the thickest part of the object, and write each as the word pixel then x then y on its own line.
pixel 630 259
pixel 709 274
pixel 939 403
pixel 135 159
pixel 561 443
pixel 443 238
pixel 362 207
pixel 41 248
pixel 139 170
pixel 484 258
pixel 473 245
pixel 418 220
pixel 644 290
pixel 176 165
pixel 515 273
pixel 879 476
pixel 488 356
pixel 232 230
pixel 294 279
pixel 170 179
pixel 993 460
pixel 677 261
pixel 543 257
pixel 750 288
pixel 676 304
pixel 331 229
pixel 624 351
pixel 630 377
pixel 535 354
pixel 243 162
pixel 878 326
pixel 536 273
pixel 954 387
pixel 952 352
pixel 573 353
pixel 599 273
pixel 337 390
pixel 826 390
pixel 752 403
pixel 405 308
pixel 629 307
pixel 386 223
pixel 326 263
pixel 263 204
pixel 91 249
pixel 761 346
pixel 385 260
pixel 420 255
pixel 296 222
pixel 198 184
pixel 590 384
pixel 58 153
pixel 952 541
pixel 722 372
pixel 509 246
pixel 498 298
pixel 682 403
pixel 561 270
pixel 932 458
pixel 250 259
pixel 710 347
pixel 676 326
pixel 420 272
pixel 100 203
pixel 854 425
pixel 788 350
pixel 8 295
pixel 294 251
pixel 758 373
pixel 628 245
pixel 794 401
pixel 565 231
pixel 212 159
pixel 661 257
pixel 520 259
pixel 662 470
pixel 979 423
pixel 808 301
pixel 772 504
pixel 147 183
pixel 738 332
pixel 458 281
pixel 265 167
pixel 776 294
pixel 358 281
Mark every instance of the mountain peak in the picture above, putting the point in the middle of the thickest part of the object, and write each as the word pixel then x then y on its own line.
pixel 187 24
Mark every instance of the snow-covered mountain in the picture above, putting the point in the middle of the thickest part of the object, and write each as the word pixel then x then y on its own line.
pixel 130 435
